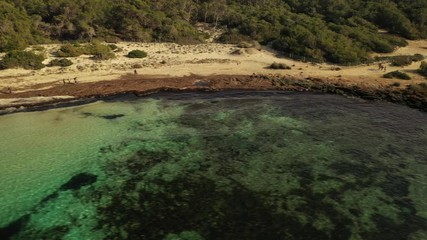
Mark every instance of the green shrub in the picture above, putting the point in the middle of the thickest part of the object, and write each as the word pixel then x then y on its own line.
pixel 423 69
pixel 279 66
pixel 26 60
pixel 405 60
pixel 417 57
pixel 251 44
pixel 399 61
pixel 397 74
pixel 60 63
pixel 233 37
pixel 12 42
pixel 16 28
pixel 69 50
pixel 396 84
pixel 97 50
pixel 113 47
pixel 137 54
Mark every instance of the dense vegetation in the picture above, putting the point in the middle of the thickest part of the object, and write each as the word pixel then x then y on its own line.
pixel 340 31
pixel 26 60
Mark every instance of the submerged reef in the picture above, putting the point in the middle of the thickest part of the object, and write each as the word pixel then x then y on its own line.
pixel 78 181
pixel 251 168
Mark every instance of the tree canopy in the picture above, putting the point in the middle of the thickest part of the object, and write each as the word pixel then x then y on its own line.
pixel 340 31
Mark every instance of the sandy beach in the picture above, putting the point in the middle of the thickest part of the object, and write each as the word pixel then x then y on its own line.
pixel 169 61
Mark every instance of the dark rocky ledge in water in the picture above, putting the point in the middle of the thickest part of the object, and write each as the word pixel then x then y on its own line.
pixel 78 181
pixel 410 97
pixel 90 92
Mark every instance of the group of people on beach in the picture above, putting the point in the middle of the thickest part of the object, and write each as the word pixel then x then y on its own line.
pixel 65 81
pixel 382 67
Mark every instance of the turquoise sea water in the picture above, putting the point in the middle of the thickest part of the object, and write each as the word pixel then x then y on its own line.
pixel 217 166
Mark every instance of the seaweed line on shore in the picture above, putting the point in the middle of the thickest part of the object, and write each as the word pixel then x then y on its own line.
pixel 133 85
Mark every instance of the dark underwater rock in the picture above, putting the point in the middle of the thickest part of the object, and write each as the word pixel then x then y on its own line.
pixel 49 197
pixel 78 181
pixel 112 117
pixel 14 227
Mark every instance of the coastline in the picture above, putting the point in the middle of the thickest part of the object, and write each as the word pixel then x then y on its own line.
pixel 203 67
pixel 82 93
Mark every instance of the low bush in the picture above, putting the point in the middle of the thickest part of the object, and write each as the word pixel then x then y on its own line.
pixel 423 69
pixel 137 54
pixel 113 47
pixel 398 75
pixel 396 84
pixel 251 44
pixel 279 66
pixel 417 57
pixel 60 63
pixel 26 60
pixel 98 51
pixel 69 50
pixel 400 61
pixel 404 60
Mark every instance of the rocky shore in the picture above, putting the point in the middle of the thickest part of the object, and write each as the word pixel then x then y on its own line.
pixel 140 86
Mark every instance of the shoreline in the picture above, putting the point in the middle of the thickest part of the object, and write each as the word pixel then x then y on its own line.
pixel 204 67
pixel 84 93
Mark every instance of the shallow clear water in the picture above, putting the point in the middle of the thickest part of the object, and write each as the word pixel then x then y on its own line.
pixel 218 166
